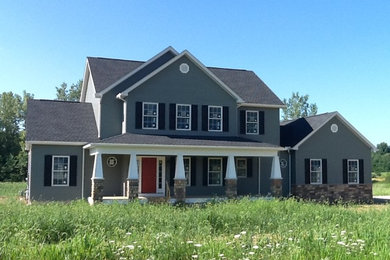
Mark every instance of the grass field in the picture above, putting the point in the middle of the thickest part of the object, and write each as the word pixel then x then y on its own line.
pixel 381 184
pixel 241 229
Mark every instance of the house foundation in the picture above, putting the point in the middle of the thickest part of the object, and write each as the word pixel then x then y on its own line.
pixel 132 189
pixel 276 187
pixel 97 190
pixel 180 189
pixel 231 188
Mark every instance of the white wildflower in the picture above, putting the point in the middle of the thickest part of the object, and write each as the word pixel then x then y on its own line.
pixel 290 239
pixel 255 247
pixel 128 233
pixel 375 253
pixel 243 246
pixel 290 231
pixel 220 255
pixel 341 243
pixel 251 253
pixel 190 242
pixel 237 236
pixel 354 244
pixel 360 241
pixel 194 256
pixel 269 245
pixel 198 245
pixel 343 232
pixel 243 232
pixel 228 243
pixel 111 241
pixel 131 247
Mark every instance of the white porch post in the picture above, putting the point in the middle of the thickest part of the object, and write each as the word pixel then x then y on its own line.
pixel 97 179
pixel 231 168
pixel 180 181
pixel 276 177
pixel 132 178
pixel 231 178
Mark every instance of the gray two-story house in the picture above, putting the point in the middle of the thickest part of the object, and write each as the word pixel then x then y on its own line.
pixel 172 127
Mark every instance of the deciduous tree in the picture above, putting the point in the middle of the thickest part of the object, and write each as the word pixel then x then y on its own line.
pixel 298 106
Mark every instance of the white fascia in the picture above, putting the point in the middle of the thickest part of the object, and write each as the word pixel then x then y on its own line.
pixel 197 63
pixel 87 72
pixel 30 143
pixel 255 105
pixel 170 48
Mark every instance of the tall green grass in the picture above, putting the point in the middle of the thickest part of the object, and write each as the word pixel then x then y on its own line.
pixel 238 229
pixel 381 185
pixel 9 189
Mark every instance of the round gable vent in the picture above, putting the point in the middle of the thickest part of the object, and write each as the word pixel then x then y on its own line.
pixel 334 128
pixel 184 68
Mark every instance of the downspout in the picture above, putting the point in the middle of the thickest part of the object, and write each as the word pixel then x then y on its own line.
pixel 124 122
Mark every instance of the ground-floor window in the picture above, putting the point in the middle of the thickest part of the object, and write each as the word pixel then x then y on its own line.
pixel 315 171
pixel 353 171
pixel 215 171
pixel 241 167
pixel 60 171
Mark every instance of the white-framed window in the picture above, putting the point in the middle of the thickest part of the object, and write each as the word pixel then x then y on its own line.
pixel 60 170
pixel 215 171
pixel 183 117
pixel 353 171
pixel 315 171
pixel 252 122
pixel 241 167
pixel 215 118
pixel 149 115
pixel 187 169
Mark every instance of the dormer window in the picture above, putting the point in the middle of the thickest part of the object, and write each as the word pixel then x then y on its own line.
pixel 215 118
pixel 252 122
pixel 183 117
pixel 149 115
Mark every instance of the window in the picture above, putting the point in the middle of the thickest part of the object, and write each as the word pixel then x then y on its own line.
pixel 315 171
pixel 215 118
pixel 241 168
pixel 150 115
pixel 353 171
pixel 183 117
pixel 187 170
pixel 215 172
pixel 252 122
pixel 60 171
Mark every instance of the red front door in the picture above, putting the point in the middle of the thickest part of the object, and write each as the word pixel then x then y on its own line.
pixel 149 166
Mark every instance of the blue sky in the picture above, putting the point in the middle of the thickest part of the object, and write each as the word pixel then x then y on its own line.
pixel 338 51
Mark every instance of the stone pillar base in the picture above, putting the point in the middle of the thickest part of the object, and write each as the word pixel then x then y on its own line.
pixel 276 187
pixel 97 190
pixel 180 189
pixel 132 189
pixel 231 188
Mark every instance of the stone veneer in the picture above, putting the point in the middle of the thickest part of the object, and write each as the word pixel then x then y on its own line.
pixel 231 188
pixel 180 189
pixel 334 192
pixel 276 187
pixel 132 189
pixel 97 189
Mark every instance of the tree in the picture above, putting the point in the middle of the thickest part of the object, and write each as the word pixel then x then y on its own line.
pixel 69 94
pixel 298 106
pixel 13 158
pixel 383 148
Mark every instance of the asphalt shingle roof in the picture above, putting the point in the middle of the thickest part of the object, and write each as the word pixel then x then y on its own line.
pixel 244 83
pixel 51 120
pixel 293 131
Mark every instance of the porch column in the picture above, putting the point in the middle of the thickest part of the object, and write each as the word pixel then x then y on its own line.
pixel 180 181
pixel 132 178
pixel 276 177
pixel 97 179
pixel 231 178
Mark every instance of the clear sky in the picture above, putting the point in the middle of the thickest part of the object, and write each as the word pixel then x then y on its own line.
pixel 337 51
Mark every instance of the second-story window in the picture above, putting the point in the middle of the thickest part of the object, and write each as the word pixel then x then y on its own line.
pixel 215 118
pixel 183 117
pixel 150 115
pixel 252 122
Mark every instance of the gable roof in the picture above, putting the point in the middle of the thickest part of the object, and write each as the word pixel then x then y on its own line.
pixel 293 133
pixel 60 121
pixel 244 85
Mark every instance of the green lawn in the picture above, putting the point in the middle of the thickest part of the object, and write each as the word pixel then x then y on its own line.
pixel 11 189
pixel 241 229
pixel 381 184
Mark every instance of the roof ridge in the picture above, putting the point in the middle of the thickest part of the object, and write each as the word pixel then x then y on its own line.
pixel 56 100
pixel 105 58
pixel 229 69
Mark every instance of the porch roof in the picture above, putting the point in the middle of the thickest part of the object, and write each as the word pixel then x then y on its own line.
pixel 228 141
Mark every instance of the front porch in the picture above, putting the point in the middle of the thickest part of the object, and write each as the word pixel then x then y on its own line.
pixel 182 174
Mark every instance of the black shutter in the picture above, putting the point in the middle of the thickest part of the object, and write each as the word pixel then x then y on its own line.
pixel 242 122
pixel 161 116
pixel 361 171
pixel 205 125
pixel 172 167
pixel 194 117
pixel 73 171
pixel 193 171
pixel 138 115
pixel 345 171
pixel 47 171
pixel 307 171
pixel 261 122
pixel 224 167
pixel 225 118
pixel 324 171
pixel 205 171
pixel 249 167
pixel 172 116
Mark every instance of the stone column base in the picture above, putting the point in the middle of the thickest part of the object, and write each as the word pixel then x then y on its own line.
pixel 276 187
pixel 132 189
pixel 180 189
pixel 231 188
pixel 97 190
